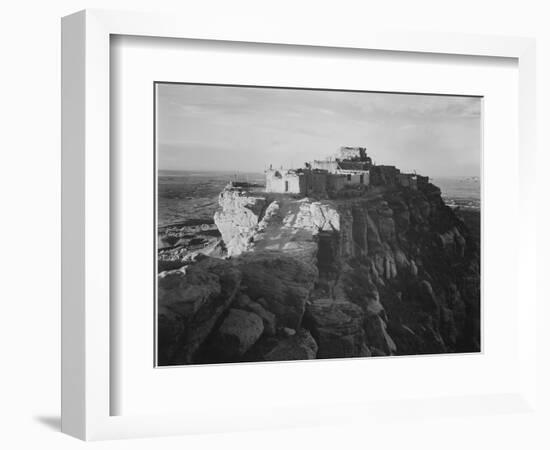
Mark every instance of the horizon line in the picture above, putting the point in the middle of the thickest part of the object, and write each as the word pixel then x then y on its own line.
pixel 236 172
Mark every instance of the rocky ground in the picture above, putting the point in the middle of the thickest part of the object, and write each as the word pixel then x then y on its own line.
pixel 387 272
pixel 179 243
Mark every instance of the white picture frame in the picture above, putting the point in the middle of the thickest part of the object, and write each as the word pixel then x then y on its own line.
pixel 86 323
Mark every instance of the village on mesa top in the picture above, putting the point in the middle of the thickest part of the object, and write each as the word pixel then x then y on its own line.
pixel 351 168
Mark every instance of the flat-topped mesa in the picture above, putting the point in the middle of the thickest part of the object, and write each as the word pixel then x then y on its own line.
pixel 396 272
pixel 352 168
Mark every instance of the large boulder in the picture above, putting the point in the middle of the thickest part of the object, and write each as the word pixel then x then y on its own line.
pixel 279 283
pixel 268 318
pixel 300 346
pixel 337 327
pixel 237 333
pixel 189 304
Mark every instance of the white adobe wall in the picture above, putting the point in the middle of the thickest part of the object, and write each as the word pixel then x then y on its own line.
pixel 273 183
pixel 279 185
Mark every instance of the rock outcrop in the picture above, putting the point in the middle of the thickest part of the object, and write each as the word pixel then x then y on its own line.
pixel 237 220
pixel 189 305
pixel 237 333
pixel 296 347
pixel 279 283
pixel 392 271
pixel 258 221
pixel 337 326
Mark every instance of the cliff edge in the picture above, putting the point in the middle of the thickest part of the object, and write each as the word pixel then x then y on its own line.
pixel 393 271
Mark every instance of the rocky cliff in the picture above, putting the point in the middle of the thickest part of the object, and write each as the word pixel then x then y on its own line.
pixel 388 272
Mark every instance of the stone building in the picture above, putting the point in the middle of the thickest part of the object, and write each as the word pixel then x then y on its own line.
pixel 352 167
pixel 348 172
pixel 352 163
pixel 336 182
pixel 297 181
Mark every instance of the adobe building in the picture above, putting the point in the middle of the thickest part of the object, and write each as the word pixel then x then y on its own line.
pixel 296 181
pixel 284 181
pixel 352 167
pixel 352 162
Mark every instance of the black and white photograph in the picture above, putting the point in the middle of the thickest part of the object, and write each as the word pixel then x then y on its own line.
pixel 301 224
pixel 291 224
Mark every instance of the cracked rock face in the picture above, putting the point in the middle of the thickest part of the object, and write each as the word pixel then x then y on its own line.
pixel 337 326
pixel 237 219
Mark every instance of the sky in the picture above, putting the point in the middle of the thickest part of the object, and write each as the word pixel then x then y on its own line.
pixel 245 129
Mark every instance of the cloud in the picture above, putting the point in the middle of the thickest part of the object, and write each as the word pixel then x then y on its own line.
pixel 248 128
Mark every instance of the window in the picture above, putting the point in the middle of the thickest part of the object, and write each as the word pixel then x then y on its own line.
pixel 286 186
